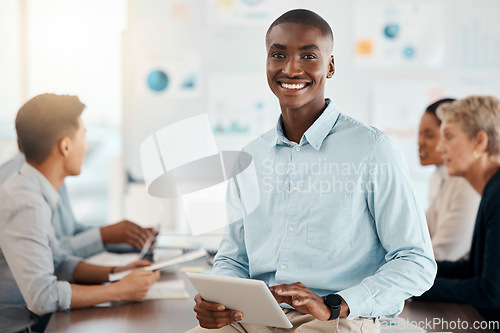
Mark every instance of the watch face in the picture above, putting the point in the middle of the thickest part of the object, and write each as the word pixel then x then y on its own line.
pixel 333 300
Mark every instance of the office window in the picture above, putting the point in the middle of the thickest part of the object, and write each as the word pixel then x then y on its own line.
pixel 74 47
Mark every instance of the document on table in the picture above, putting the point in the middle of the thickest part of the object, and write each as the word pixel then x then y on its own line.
pixel 170 289
pixel 113 259
pixel 190 256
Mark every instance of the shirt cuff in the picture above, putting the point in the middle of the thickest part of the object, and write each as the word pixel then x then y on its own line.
pixel 65 272
pixel 359 300
pixel 65 293
pixel 87 243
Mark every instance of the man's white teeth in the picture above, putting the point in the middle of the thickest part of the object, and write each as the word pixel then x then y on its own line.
pixel 293 86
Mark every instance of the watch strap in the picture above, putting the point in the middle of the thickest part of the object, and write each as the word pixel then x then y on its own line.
pixel 335 310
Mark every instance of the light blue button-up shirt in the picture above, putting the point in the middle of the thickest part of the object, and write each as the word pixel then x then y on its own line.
pixel 337 212
pixel 34 270
pixel 77 238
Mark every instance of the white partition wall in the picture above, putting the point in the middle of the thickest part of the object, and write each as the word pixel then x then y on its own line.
pixel 10 75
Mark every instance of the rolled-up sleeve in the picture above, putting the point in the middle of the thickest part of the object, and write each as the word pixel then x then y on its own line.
pixel 34 257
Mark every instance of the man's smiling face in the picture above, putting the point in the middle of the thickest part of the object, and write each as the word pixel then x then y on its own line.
pixel 298 63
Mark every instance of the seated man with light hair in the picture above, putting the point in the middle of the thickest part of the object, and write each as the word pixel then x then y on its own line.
pixel 80 239
pixel 36 274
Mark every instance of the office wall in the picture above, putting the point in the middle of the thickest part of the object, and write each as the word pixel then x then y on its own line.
pixel 213 51
pixel 10 74
pixel 67 47
pixel 392 58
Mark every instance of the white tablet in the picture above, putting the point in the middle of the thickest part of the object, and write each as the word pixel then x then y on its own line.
pixel 251 297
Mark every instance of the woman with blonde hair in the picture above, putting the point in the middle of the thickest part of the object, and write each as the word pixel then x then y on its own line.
pixel 470 145
pixel 452 200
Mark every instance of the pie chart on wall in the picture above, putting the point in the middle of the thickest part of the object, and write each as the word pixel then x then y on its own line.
pixel 157 80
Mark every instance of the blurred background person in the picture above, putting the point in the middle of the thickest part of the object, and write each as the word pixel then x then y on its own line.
pixel 453 202
pixel 470 146
pixel 37 276
pixel 80 239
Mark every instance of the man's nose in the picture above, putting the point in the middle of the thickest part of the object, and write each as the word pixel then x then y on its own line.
pixel 292 68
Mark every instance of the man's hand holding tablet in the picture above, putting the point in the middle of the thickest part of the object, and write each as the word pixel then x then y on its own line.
pixel 305 300
pixel 224 300
pixel 214 315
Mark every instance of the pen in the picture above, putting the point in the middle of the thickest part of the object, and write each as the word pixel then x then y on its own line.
pixel 148 243
pixel 146 247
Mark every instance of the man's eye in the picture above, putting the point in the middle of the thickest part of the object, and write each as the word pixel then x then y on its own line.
pixel 309 56
pixel 278 55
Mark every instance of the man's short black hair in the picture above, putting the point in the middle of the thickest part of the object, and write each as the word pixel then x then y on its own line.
pixel 433 107
pixel 304 16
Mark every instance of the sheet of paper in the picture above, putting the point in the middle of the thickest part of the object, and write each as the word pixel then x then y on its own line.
pixel 171 289
pixel 190 256
pixel 193 255
pixel 113 259
pixel 161 254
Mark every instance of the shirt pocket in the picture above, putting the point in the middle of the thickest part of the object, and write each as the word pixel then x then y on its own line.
pixel 328 227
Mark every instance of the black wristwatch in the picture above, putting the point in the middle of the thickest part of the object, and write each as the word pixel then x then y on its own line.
pixel 334 302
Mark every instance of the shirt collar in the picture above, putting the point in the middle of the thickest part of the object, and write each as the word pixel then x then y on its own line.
pixel 46 189
pixel 316 134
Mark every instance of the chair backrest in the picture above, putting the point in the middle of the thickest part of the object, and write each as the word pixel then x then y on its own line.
pixel 15 318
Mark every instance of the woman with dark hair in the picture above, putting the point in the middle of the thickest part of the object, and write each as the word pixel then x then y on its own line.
pixel 453 202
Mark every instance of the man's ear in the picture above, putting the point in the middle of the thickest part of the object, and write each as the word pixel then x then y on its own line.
pixel 331 68
pixel 64 146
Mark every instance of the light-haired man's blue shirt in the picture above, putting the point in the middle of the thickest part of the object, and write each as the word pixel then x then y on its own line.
pixel 34 270
pixel 77 238
pixel 337 212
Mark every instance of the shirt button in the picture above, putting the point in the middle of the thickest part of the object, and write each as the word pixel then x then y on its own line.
pixel 283 266
pixel 297 148
pixel 295 188
pixel 291 229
